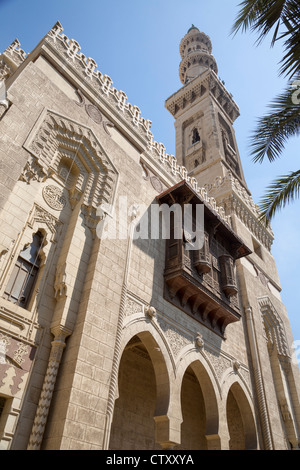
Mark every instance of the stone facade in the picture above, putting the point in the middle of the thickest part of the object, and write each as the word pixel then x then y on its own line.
pixel 93 354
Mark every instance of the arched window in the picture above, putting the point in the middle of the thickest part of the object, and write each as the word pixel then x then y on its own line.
pixel 22 280
pixel 195 136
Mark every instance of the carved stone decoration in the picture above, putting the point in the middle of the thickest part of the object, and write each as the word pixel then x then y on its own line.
pixel 2 352
pixel 60 286
pixel 81 101
pixel 274 327
pixel 5 70
pixel 236 366
pixel 219 362
pixel 242 205
pixel 32 171
pixel 39 214
pixel 73 49
pixel 145 171
pixel 16 360
pixel 58 345
pixel 4 343
pixel 74 197
pixel 199 341
pixel 132 306
pixel 151 312
pixel 156 183
pixel 107 124
pixel 55 138
pixel 177 339
pixel 285 411
pixel 91 218
pixel 94 113
pixel 15 54
pixel 20 353
pixel 4 103
pixel 54 197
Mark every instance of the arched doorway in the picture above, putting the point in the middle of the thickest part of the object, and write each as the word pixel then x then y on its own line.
pixel 140 396
pixel 240 421
pixel 195 395
pixel 193 427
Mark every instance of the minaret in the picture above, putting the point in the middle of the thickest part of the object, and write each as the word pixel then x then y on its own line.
pixel 195 50
pixel 204 113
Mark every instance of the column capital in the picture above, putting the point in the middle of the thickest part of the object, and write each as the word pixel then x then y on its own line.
pixel 60 332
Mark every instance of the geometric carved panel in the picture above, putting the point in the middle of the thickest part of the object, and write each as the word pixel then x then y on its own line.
pixel 15 362
pixel 55 137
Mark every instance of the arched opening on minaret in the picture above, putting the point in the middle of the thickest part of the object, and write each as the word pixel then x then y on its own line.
pixel 195 136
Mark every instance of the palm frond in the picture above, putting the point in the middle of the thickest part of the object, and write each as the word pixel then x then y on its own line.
pixel 290 63
pixel 282 191
pixel 273 130
pixel 262 16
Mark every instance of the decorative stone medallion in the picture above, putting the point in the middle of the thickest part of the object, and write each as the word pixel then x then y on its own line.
pixel 94 113
pixel 156 183
pixel 54 197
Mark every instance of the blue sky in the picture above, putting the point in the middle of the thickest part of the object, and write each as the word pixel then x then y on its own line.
pixel 136 43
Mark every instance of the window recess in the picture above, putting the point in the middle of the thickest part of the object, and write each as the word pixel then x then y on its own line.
pixel 23 278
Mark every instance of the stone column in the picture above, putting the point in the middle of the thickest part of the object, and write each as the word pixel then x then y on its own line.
pixel 261 399
pixel 38 429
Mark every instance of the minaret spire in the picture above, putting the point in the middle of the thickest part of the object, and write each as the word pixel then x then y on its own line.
pixel 204 113
pixel 195 50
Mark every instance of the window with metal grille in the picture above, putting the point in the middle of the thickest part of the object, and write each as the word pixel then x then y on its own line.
pixel 24 274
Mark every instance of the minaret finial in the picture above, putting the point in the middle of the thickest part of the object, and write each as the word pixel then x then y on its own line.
pixel 195 50
pixel 193 27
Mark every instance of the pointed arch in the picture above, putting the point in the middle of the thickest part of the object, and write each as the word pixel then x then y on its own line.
pixel 158 353
pixel 280 363
pixel 196 361
pixel 142 337
pixel 237 397
pixel 274 327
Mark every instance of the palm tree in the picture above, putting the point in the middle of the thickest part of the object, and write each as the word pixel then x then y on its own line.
pixel 283 121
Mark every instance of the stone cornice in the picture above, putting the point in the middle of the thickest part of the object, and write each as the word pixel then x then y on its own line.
pixel 196 88
pixel 13 55
pixel 236 200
